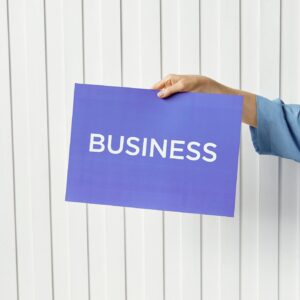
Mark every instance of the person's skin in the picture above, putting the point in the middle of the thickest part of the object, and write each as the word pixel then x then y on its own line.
pixel 173 83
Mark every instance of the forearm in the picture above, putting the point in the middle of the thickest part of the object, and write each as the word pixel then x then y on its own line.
pixel 249 107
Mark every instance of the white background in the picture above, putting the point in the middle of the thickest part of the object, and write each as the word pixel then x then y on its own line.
pixel 50 249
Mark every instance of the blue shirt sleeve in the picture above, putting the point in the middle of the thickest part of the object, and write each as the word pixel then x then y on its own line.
pixel 278 128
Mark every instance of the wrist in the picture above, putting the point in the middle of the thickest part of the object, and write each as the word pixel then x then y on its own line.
pixel 249 100
pixel 249 107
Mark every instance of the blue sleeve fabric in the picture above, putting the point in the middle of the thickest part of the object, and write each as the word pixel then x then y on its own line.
pixel 278 128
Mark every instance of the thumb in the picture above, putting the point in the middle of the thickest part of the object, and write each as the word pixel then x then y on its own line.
pixel 164 93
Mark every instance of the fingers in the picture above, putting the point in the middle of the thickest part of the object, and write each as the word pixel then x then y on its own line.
pixel 158 85
pixel 169 85
pixel 167 92
pixel 165 82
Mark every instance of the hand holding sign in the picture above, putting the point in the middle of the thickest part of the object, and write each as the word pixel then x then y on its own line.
pixel 129 148
pixel 174 83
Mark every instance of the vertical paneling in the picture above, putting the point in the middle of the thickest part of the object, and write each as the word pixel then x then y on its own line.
pixel 269 66
pixel 180 54
pixel 134 218
pixel 290 175
pixel 57 147
pixel 144 242
pixel 230 75
pixel 249 159
pixel 150 71
pixel 50 249
pixel 29 113
pixel 106 224
pixel 188 63
pixel 8 258
pixel 211 230
pixel 73 59
pixel 172 220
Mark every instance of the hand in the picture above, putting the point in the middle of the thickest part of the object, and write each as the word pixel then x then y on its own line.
pixel 173 83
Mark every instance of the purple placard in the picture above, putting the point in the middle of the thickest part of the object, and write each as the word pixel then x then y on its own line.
pixel 130 148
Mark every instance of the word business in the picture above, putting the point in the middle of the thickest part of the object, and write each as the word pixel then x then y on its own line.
pixel 134 146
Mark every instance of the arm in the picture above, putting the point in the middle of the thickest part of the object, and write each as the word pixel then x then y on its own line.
pixel 196 83
pixel 274 125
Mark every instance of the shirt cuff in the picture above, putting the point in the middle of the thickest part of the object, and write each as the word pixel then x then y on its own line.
pixel 261 135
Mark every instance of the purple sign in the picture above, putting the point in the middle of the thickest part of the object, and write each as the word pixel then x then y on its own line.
pixel 130 148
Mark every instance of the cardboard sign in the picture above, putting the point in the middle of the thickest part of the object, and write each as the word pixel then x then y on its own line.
pixel 130 148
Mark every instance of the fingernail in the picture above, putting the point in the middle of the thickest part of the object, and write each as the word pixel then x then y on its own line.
pixel 160 94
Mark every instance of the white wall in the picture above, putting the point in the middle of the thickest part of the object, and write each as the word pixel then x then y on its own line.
pixel 50 249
